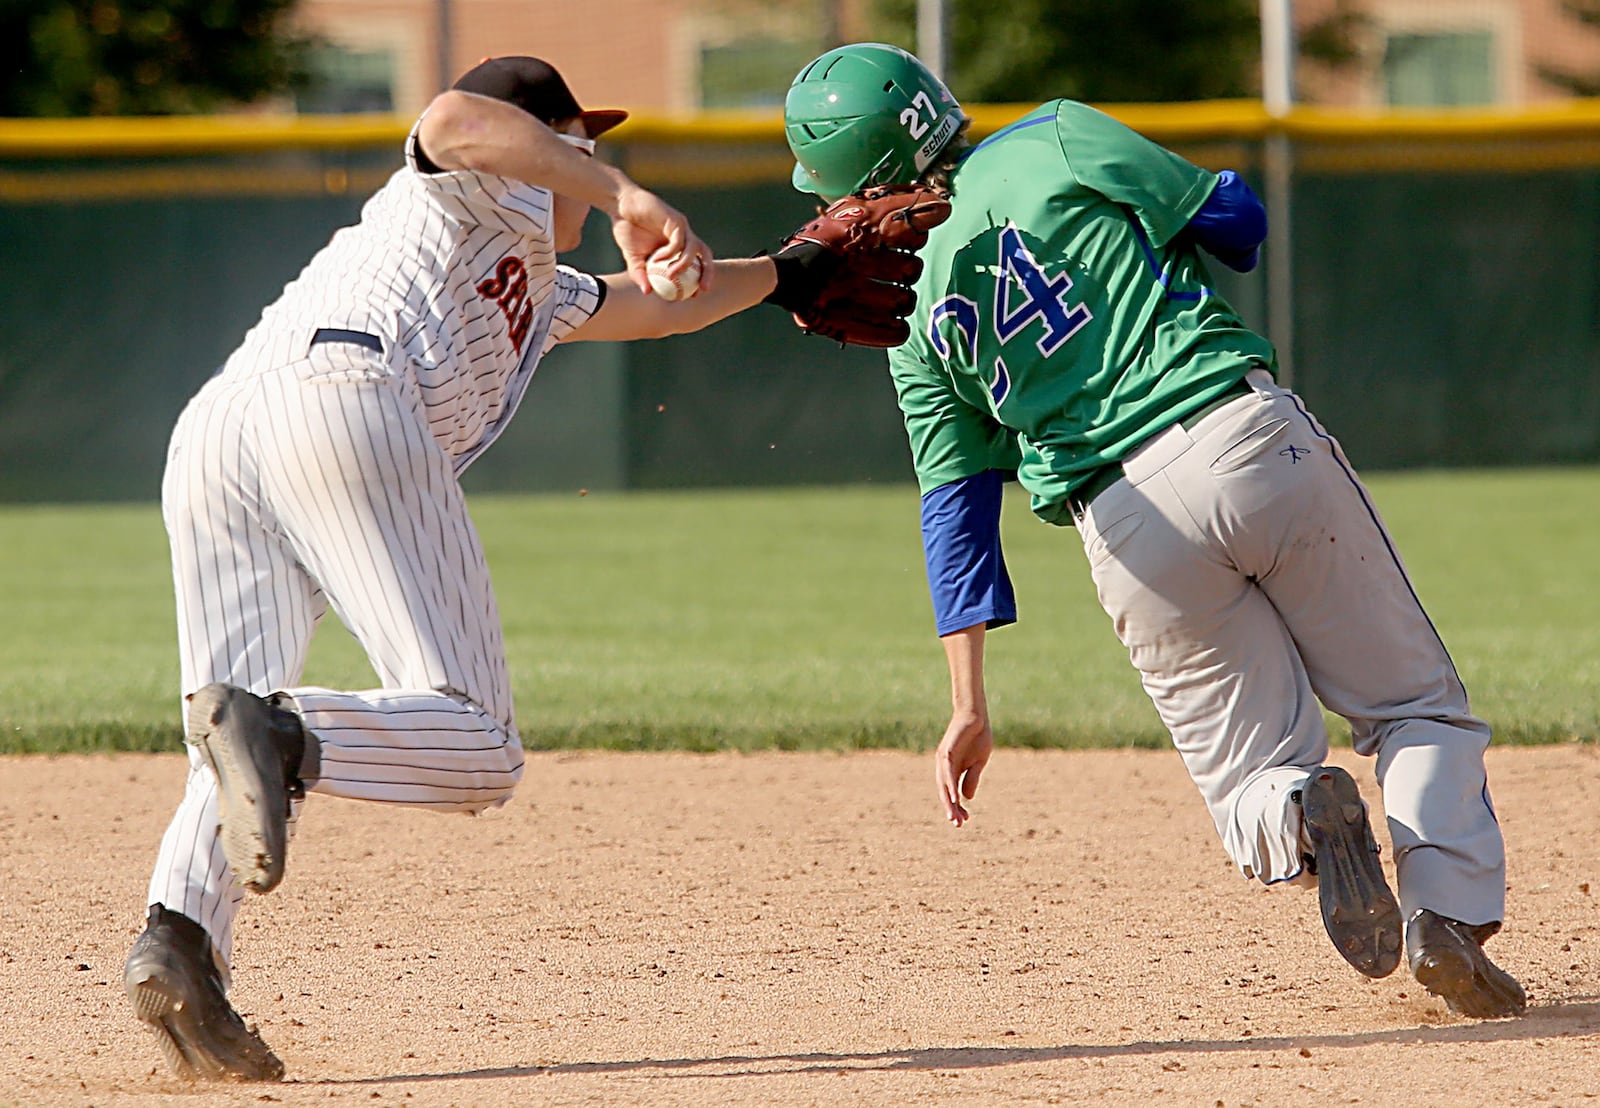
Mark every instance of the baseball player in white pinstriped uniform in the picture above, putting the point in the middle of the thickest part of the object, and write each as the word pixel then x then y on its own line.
pixel 318 469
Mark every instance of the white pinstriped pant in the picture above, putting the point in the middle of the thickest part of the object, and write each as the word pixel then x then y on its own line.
pixel 318 485
pixel 1249 575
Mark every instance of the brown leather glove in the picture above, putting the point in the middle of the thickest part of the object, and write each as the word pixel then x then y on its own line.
pixel 847 274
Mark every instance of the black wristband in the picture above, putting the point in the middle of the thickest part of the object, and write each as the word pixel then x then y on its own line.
pixel 803 269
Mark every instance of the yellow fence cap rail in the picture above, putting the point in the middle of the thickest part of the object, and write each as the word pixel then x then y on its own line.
pixel 139 135
pixel 1556 120
pixel 711 126
pixel 1206 120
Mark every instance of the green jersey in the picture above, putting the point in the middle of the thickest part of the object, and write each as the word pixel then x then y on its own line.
pixel 1062 317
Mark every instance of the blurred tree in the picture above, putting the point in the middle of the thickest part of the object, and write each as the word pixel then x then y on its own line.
pixel 1340 42
pixel 144 57
pixel 1586 12
pixel 1335 39
pixel 1092 50
pixel 749 50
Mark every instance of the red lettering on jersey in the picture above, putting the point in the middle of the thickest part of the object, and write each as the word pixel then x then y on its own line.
pixel 519 328
pixel 512 300
pixel 508 288
pixel 509 269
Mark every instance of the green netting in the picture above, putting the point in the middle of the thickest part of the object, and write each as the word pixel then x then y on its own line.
pixel 1447 318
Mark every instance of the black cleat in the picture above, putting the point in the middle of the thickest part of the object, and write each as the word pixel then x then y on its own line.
pixel 255 750
pixel 1359 911
pixel 176 988
pixel 1447 959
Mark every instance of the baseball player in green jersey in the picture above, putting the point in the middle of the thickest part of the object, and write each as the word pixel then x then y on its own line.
pixel 1067 332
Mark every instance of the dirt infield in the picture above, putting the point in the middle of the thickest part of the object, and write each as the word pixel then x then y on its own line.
pixel 786 929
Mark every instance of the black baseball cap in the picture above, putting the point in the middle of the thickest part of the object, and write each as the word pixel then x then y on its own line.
pixel 535 87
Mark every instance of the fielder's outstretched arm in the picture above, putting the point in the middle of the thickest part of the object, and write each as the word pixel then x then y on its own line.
pixel 627 313
pixel 791 279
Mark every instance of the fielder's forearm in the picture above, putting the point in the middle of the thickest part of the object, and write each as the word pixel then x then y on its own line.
pixel 740 283
pixel 629 314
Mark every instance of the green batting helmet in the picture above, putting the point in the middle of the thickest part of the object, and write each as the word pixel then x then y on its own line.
pixel 866 114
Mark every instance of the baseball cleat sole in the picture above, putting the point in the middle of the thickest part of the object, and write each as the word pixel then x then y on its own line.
pixel 232 729
pixel 1358 910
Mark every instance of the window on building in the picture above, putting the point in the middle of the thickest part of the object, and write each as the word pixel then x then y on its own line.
pixel 1435 70
pixel 750 73
pixel 344 80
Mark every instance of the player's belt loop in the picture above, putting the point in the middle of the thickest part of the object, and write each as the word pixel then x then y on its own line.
pixel 1097 482
pixel 338 334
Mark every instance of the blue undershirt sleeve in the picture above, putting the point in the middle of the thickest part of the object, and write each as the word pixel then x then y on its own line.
pixel 1231 225
pixel 966 568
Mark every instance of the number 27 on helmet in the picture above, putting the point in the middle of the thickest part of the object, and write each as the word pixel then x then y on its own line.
pixel 866 114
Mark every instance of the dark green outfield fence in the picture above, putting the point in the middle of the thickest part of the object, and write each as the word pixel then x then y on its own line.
pixel 1445 275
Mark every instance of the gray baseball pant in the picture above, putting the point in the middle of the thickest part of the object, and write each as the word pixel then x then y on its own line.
pixel 1250 577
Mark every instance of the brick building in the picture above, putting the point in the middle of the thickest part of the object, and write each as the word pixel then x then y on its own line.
pixel 1445 52
pixel 681 56
pixel 661 56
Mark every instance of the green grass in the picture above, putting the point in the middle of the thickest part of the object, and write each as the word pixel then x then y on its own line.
pixel 794 619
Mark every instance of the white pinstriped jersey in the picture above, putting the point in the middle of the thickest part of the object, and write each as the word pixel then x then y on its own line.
pixel 465 309
pixel 295 486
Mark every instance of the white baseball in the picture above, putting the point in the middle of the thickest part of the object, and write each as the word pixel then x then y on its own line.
pixel 673 288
